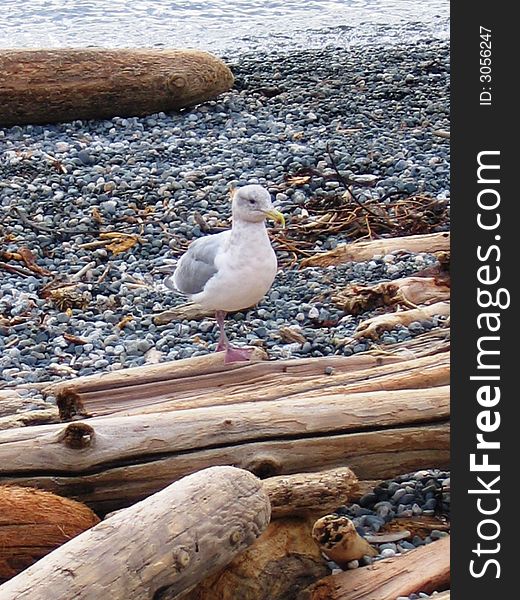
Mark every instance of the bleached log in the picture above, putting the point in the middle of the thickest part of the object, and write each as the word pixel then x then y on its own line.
pixel 170 541
pixel 110 462
pixel 141 392
pixel 361 251
pixel 49 85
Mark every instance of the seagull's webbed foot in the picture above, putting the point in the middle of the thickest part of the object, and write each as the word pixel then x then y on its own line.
pixel 237 354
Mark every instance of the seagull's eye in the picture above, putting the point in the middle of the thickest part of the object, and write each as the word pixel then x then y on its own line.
pixel 251 201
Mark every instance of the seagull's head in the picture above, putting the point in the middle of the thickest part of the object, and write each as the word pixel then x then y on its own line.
pixel 253 203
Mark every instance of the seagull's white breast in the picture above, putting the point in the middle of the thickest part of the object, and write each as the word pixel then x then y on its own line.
pixel 246 270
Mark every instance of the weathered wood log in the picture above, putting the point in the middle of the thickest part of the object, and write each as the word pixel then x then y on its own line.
pixel 425 569
pixel 338 539
pixel 408 291
pixel 187 311
pixel 171 541
pixel 278 566
pixel 110 462
pixel 361 251
pixel 374 326
pixel 49 85
pixel 31 417
pixel 35 522
pixel 307 494
pixel 430 343
pixel 271 380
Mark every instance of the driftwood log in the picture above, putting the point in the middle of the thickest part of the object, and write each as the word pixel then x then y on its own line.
pixel 35 522
pixel 425 569
pixel 309 494
pixel 361 251
pixel 196 383
pixel 408 292
pixel 110 462
pixel 374 326
pixel 170 541
pixel 278 566
pixel 49 85
pixel 284 560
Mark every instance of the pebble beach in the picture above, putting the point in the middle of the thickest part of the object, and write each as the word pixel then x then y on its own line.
pixel 109 206
pixel 164 180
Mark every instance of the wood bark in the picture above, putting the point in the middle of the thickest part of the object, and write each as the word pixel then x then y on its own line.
pixel 361 251
pixel 278 566
pixel 308 494
pixel 109 465
pixel 141 393
pixel 171 541
pixel 35 522
pixel 49 85
pixel 425 569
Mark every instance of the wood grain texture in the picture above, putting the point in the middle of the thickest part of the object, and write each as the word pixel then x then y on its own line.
pixel 306 494
pixel 171 540
pixel 170 389
pixel 121 481
pixel 278 566
pixel 49 85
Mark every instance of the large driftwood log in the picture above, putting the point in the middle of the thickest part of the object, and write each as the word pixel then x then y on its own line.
pixel 140 393
pixel 44 86
pixel 110 462
pixel 307 494
pixel 278 566
pixel 35 522
pixel 171 541
pixel 361 251
pixel 425 569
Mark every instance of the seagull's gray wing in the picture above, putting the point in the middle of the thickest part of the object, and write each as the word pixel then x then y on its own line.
pixel 197 266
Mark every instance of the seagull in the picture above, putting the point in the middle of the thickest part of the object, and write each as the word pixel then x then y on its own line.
pixel 232 270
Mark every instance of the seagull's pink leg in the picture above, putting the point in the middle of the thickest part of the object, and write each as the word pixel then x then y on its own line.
pixel 232 354
pixel 223 342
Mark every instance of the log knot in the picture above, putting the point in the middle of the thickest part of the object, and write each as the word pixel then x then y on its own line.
pixel 175 82
pixel 77 436
pixel 181 558
pixel 236 536
pixel 264 466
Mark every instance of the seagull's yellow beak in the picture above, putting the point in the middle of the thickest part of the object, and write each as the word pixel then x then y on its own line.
pixel 276 216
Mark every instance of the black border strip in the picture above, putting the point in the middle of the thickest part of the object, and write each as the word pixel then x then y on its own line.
pixel 483 122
